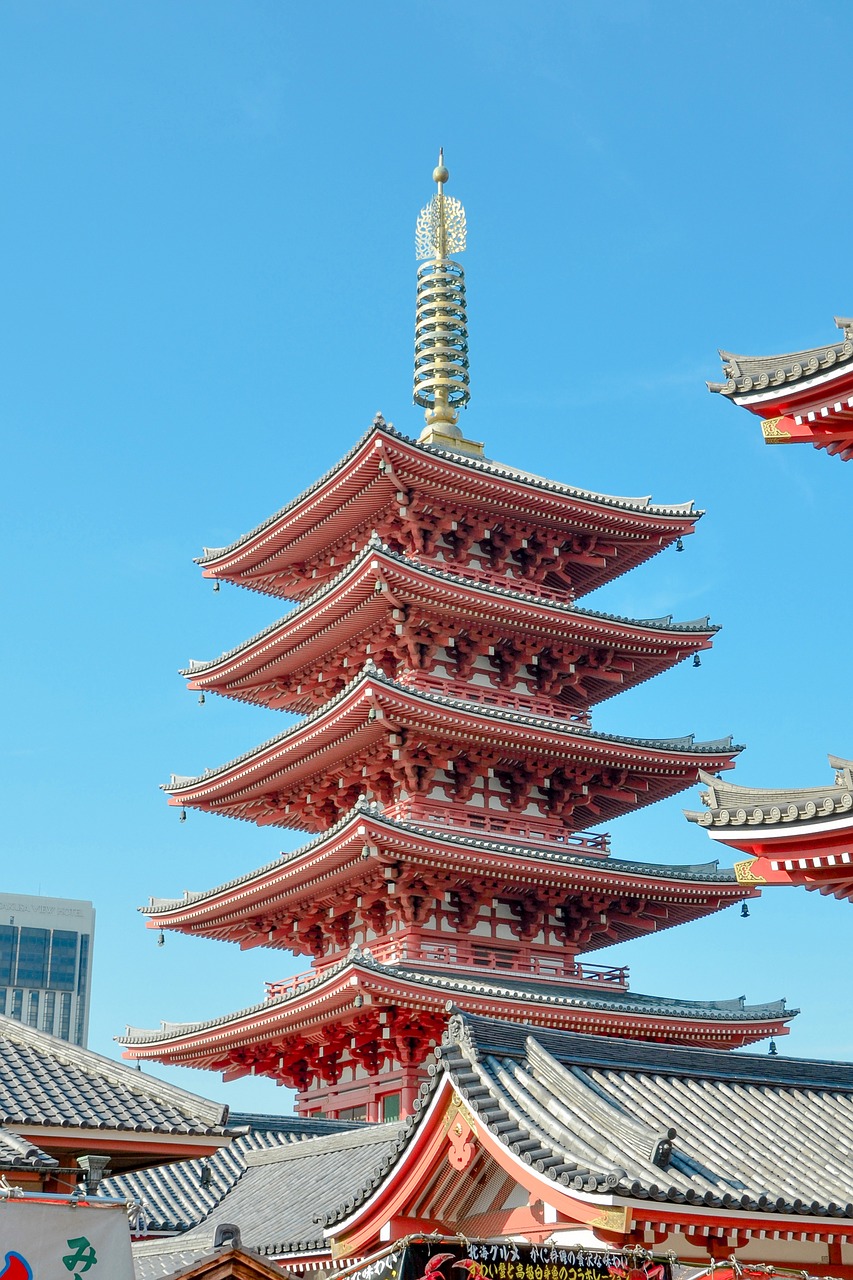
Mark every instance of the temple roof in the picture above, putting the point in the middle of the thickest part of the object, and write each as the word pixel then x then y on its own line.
pixel 281 1198
pixel 520 990
pixel 390 478
pixel 175 1198
pixel 710 873
pixel 347 714
pixel 648 1122
pixel 482 466
pixel 47 1083
pixel 746 375
pixel 729 805
pixel 20 1153
pixel 294 640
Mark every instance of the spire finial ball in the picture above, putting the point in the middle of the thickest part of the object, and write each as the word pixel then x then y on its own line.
pixel 440 174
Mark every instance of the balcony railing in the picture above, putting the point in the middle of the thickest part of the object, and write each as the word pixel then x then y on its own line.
pixel 465 955
pixel 487 696
pixel 509 582
pixel 514 828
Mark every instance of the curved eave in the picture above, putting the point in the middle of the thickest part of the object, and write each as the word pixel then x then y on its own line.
pixel 387 459
pixel 344 725
pixel 335 991
pixel 337 855
pixel 778 378
pixel 349 604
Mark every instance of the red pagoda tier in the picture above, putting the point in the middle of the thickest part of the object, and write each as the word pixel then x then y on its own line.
pixel 442 629
pixel 800 837
pixel 803 397
pixel 491 523
pixel 445 759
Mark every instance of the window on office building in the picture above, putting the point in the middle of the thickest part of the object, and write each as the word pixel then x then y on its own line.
pixel 32 957
pixel 84 964
pixel 17 1004
pixel 48 1011
pixel 33 1009
pixel 64 1016
pixel 8 953
pixel 63 960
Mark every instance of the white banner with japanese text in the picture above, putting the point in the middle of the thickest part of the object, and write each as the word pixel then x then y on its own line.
pixel 48 1241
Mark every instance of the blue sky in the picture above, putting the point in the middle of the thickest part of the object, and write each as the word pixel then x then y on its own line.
pixel 207 285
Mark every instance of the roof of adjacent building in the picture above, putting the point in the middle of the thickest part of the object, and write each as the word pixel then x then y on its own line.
pixel 639 1120
pixel 176 1197
pixel 20 1153
pixel 280 1199
pixel 730 805
pixel 745 374
pixel 226 1261
pixel 47 1082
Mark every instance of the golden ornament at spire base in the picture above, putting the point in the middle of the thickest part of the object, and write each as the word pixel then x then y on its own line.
pixel 441 333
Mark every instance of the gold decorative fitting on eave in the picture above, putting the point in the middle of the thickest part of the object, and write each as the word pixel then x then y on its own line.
pixel 772 433
pixel 744 873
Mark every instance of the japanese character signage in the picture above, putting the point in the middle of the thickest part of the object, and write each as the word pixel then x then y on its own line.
pixel 41 1241
pixel 506 1260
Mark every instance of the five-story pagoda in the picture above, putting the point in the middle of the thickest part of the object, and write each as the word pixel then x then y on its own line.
pixel 445 764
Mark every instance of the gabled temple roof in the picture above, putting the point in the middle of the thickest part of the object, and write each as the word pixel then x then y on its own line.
pixel 729 805
pixel 647 1122
pixel 47 1083
pixel 778 373
pixel 173 1196
pixel 280 1199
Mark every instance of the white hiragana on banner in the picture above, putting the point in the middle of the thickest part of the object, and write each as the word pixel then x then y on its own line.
pixel 42 1241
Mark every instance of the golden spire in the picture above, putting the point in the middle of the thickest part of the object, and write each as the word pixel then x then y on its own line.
pixel 441 334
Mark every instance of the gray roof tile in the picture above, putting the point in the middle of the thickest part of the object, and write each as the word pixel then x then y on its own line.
pixel 759 375
pixel 729 805
pixel 650 1121
pixel 173 1196
pixel 17 1152
pixel 281 1198
pixel 46 1081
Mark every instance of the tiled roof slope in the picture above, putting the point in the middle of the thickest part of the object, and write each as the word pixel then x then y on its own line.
pixel 280 1200
pixel 729 804
pixel 19 1153
pixel 483 465
pixel 523 989
pixel 650 1122
pixel 758 373
pixel 46 1081
pixel 173 1197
